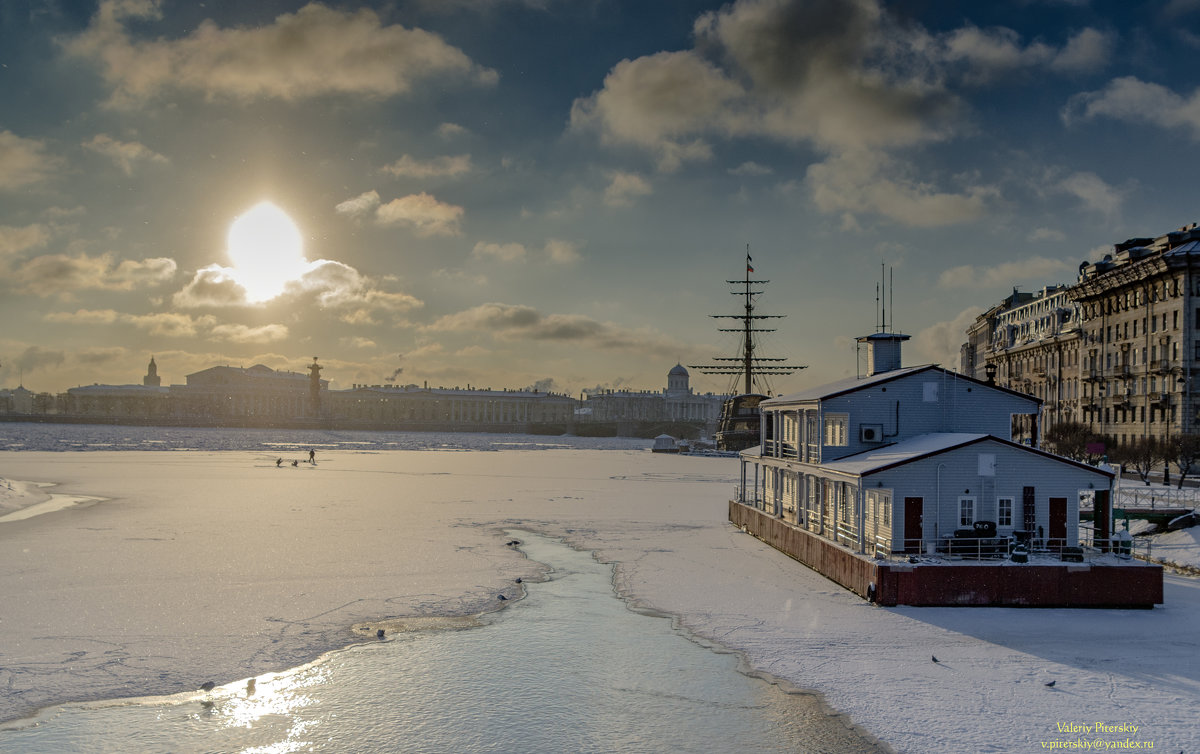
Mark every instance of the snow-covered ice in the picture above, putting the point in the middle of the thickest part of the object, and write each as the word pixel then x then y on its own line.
pixel 217 566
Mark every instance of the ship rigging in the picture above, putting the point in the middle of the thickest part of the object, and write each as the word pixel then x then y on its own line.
pixel 739 423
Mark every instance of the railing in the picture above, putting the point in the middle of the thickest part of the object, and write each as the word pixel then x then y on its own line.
pixel 1152 497
pixel 992 549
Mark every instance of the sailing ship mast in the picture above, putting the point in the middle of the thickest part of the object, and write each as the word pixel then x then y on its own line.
pixel 748 367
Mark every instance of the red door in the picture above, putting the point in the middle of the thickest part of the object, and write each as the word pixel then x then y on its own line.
pixel 912 524
pixel 1058 523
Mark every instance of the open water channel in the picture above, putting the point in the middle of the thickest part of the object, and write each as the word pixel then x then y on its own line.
pixel 569 668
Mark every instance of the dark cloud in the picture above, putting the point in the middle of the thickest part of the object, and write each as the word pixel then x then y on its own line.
pixel 58 274
pixel 313 52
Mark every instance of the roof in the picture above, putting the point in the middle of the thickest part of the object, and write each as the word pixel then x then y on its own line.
pixel 112 389
pixel 678 369
pixel 852 384
pixel 924 446
pixel 1188 248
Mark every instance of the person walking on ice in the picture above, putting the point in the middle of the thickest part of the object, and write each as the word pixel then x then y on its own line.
pixel 312 457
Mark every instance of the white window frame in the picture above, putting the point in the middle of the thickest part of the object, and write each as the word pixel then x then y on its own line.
pixel 966 511
pixel 1000 516
pixel 835 431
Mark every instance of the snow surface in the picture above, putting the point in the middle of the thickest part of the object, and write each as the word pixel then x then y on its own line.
pixel 217 566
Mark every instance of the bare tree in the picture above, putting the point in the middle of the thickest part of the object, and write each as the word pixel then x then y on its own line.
pixel 1184 452
pixel 1142 454
pixel 1071 439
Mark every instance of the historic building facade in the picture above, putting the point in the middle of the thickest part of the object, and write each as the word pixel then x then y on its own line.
pixel 449 408
pixel 676 403
pixel 1115 351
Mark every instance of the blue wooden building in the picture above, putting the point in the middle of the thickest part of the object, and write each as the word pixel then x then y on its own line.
pixel 899 460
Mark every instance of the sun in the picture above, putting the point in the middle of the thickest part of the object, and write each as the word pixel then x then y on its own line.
pixel 267 251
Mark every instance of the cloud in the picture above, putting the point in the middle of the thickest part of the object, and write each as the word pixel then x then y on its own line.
pixel 562 252
pixel 124 154
pixel 61 274
pixel 313 52
pixel 836 74
pixel 520 322
pixel 245 334
pixel 15 240
pixel 342 288
pixel 992 52
pixel 657 102
pixel 360 205
pixel 97 356
pixel 508 252
pixel 423 213
pixel 751 168
pixel 940 343
pixel 444 166
pixel 845 78
pixel 24 162
pixel 1088 50
pixel 36 357
pixel 1047 234
pixel 1004 275
pixel 451 131
pixel 623 188
pixel 871 182
pixel 1091 189
pixel 1133 100
pixel 170 324
pixel 211 286
pixel 331 285
pixel 357 342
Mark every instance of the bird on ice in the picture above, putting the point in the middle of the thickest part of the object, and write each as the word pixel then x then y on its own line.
pixel 207 686
pixel 1051 683
pixel 935 659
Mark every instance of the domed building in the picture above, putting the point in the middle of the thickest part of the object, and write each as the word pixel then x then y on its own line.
pixel 676 402
pixel 677 381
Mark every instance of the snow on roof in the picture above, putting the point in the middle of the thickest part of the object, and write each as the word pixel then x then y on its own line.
pixel 902 452
pixel 830 389
pixel 851 384
pixel 923 446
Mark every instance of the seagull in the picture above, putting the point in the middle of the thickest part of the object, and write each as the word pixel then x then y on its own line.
pixel 207 686
pixel 935 659
pixel 1051 683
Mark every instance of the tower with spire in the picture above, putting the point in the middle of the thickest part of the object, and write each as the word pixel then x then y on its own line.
pixel 152 379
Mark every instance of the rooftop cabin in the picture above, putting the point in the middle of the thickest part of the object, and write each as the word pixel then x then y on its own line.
pixel 889 405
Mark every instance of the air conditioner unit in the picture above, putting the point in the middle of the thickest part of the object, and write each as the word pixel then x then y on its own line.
pixel 870 432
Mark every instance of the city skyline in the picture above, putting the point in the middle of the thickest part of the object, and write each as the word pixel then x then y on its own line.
pixel 552 194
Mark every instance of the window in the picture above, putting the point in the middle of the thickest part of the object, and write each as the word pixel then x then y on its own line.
pixel 1004 509
pixel 835 429
pixel 966 511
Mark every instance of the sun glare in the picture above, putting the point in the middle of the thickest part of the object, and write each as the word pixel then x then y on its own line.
pixel 267 251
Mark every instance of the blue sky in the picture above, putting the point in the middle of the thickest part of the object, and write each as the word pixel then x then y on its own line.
pixel 513 193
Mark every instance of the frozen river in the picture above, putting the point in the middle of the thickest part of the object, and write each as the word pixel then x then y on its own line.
pixel 567 668
pixel 204 561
